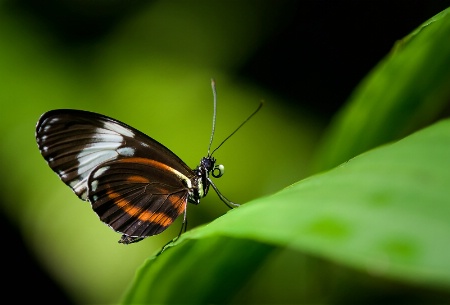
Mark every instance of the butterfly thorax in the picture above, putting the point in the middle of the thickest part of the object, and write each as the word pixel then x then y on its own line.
pixel 200 183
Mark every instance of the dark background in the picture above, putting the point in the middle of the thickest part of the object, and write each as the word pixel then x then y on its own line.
pixel 333 47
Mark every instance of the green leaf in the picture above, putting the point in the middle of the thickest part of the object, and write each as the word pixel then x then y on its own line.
pixel 385 212
pixel 407 90
pixel 160 58
pixel 214 280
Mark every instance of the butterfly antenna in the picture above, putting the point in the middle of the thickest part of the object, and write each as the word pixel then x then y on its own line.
pixel 213 86
pixel 242 124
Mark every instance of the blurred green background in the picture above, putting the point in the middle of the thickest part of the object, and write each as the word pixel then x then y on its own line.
pixel 149 64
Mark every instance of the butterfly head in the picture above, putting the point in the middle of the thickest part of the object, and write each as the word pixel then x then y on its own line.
pixel 209 165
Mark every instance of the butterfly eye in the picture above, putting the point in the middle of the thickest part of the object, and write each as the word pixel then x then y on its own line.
pixel 218 171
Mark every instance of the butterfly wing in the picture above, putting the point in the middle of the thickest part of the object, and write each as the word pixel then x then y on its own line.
pixel 136 196
pixel 135 184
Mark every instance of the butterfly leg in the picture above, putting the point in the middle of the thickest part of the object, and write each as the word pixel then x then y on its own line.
pixel 126 239
pixel 183 229
pixel 229 203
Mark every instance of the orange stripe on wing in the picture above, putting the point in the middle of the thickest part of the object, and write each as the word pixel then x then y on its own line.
pixel 146 161
pixel 161 219
pixel 138 179
pixel 158 165
pixel 175 201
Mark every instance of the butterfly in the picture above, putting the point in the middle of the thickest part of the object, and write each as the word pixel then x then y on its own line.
pixel 135 184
